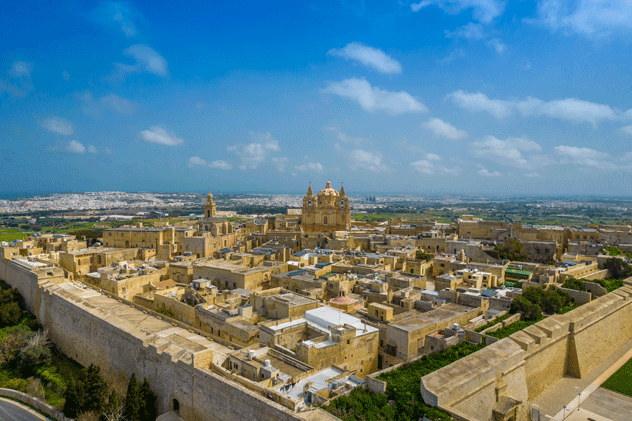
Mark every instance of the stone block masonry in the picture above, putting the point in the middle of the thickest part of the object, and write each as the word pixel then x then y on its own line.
pixel 513 371
pixel 96 329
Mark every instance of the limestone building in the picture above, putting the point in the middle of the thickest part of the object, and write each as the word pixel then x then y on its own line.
pixel 210 209
pixel 326 212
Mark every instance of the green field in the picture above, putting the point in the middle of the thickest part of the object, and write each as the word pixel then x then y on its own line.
pixel 10 234
pixel 621 381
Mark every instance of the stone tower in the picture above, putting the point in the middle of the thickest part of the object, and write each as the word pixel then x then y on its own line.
pixel 209 207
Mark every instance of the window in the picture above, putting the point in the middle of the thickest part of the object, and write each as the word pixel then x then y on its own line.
pixel 325 220
pixel 342 203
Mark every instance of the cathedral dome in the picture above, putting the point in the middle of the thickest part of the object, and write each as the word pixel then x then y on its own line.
pixel 343 300
pixel 328 191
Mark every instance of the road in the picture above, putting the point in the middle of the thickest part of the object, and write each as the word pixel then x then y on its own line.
pixel 14 411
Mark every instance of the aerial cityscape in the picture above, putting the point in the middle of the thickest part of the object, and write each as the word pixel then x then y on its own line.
pixel 301 211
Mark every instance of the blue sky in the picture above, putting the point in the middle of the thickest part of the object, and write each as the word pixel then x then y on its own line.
pixel 455 96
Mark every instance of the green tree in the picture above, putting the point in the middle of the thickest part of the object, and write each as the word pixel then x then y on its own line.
pixel 10 314
pixel 618 268
pixel 148 410
pixel 113 410
pixel 35 351
pixel 75 397
pixel 551 302
pixel 575 284
pixel 529 310
pixel 132 406
pixel 511 249
pixel 96 389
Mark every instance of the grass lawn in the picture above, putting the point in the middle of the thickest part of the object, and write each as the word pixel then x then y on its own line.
pixel 508 330
pixel 621 380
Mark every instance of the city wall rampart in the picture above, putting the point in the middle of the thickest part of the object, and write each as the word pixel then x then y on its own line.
pixel 83 330
pixel 519 368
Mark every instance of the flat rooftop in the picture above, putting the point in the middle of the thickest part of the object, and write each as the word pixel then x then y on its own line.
pixel 414 320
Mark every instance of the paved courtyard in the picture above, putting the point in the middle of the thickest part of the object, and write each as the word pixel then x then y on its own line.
pixel 609 404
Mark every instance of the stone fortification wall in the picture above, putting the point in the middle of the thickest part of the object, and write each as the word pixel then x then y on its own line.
pixel 522 366
pixel 177 362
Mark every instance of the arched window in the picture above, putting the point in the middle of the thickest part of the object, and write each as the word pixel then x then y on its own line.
pixel 309 203
pixel 176 406
pixel 325 220
pixel 342 203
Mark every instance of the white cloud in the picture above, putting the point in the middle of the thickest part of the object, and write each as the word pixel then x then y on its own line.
pixel 593 19
pixel 21 69
pixel 220 165
pixel 118 104
pixel 430 166
pixel 369 56
pixel 118 15
pixel 146 60
pixel 76 147
pixel 486 173
pixel 532 175
pixel 65 75
pixel 571 109
pixel 507 152
pixel 367 160
pixel 58 125
pixel 497 45
pixel 372 98
pixel 157 134
pixel 92 149
pixel 584 157
pixel 310 166
pixel 627 129
pixel 444 129
pixel 482 10
pixel 108 151
pixel 469 31
pixel 254 154
pixel 196 161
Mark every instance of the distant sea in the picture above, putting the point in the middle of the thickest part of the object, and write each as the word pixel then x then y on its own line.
pixel 5 196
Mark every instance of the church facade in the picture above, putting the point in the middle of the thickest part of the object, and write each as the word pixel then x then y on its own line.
pixel 327 211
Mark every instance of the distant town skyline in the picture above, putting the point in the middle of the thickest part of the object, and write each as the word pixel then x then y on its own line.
pixel 453 96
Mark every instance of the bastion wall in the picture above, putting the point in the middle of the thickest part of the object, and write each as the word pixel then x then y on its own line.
pixel 519 368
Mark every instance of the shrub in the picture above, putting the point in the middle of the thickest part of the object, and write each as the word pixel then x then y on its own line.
pixel 575 284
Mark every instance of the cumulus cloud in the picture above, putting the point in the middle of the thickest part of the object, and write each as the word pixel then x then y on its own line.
pixel 486 173
pixel 508 152
pixel 118 104
pixel 627 129
pixel 219 165
pixel 570 109
pixel 372 98
pixel 58 125
pixel 76 147
pixel 593 19
pixel 430 166
pixel 458 53
pixel 469 31
pixel 584 157
pixel 482 10
pixel 92 149
pixel 255 153
pixel 444 129
pixel 369 56
pixel 146 60
pixel 497 45
pixel 157 134
pixel 367 160
pixel 310 166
